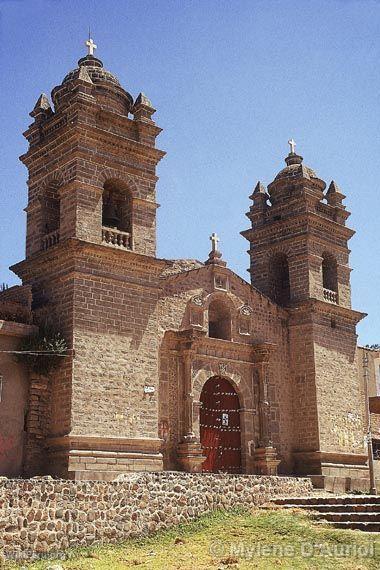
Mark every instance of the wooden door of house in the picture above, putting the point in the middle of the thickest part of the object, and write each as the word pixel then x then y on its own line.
pixel 220 426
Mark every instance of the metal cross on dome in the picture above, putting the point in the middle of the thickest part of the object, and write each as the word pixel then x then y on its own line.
pixel 292 144
pixel 91 46
pixel 214 241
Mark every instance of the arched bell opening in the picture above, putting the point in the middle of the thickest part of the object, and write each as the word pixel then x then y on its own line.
pixel 117 214
pixel 279 278
pixel 330 277
pixel 50 213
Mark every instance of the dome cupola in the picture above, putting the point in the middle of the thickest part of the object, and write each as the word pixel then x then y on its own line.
pixel 106 88
pixel 294 174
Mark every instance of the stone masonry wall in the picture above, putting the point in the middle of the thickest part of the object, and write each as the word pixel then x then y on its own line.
pixel 15 304
pixel 340 394
pixel 13 400
pixel 116 349
pixel 46 515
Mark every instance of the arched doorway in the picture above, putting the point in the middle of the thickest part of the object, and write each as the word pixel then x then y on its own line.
pixel 220 426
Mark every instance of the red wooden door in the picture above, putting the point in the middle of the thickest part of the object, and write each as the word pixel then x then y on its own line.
pixel 220 427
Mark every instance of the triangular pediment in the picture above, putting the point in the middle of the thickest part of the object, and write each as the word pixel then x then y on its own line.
pixel 217 279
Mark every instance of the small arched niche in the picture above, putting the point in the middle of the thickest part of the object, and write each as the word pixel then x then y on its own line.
pixel 329 273
pixel 279 278
pixel 219 320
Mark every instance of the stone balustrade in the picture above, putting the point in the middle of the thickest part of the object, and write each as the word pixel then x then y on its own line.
pixel 112 236
pixel 50 239
pixel 330 296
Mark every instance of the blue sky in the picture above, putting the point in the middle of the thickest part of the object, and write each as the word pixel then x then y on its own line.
pixel 232 81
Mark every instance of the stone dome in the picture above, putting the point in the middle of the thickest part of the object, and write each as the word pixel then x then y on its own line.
pixel 95 69
pixel 294 168
pixel 108 92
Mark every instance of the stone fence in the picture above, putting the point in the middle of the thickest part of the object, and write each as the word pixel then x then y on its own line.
pixel 42 515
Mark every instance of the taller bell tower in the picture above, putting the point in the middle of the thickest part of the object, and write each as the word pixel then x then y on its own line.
pixel 91 162
pixel 91 262
pixel 299 257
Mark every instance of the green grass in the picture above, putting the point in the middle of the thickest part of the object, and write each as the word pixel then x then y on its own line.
pixel 230 540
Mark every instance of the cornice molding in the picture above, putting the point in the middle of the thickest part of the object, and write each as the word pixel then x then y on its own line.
pixel 313 305
pixel 309 219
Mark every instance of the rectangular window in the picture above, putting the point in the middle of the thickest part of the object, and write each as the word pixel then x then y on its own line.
pixel 221 282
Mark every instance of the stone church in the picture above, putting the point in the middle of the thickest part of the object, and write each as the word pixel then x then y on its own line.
pixel 173 364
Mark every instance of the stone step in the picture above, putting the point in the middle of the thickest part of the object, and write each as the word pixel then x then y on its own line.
pixel 358 512
pixel 365 507
pixel 346 499
pixel 348 517
pixel 348 525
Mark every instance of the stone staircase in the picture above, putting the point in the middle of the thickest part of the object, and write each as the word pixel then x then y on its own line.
pixel 360 512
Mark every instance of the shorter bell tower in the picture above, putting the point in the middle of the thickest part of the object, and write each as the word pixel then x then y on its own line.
pixel 299 238
pixel 299 257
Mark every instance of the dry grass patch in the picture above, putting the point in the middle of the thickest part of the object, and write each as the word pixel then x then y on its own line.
pixel 263 539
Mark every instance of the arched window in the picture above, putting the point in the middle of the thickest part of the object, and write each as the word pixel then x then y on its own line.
pixel 50 215
pixel 279 278
pixel 117 214
pixel 219 320
pixel 329 275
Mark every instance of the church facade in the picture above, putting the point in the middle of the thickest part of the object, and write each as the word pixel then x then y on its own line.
pixel 174 365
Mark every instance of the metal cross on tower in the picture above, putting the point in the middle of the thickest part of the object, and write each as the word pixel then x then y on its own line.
pixel 91 46
pixel 214 241
pixel 292 144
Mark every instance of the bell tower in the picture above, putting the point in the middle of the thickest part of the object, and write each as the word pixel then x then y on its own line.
pixel 91 262
pixel 299 257
pixel 91 164
pixel 299 238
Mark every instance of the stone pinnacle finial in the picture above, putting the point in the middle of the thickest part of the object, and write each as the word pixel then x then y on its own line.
pixel 259 192
pixel 259 189
pixel 42 107
pixel 142 99
pixel 84 75
pixel 334 195
pixel 42 102
pixel 334 188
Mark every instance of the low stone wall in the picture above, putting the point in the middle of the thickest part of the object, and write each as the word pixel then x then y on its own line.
pixel 44 515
